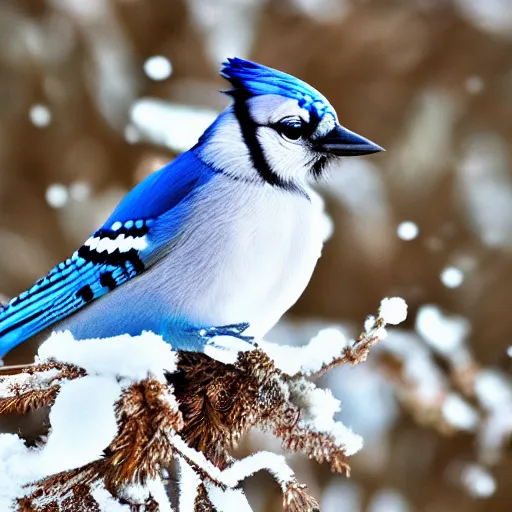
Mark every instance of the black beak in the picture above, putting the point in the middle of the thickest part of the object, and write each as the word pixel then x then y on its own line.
pixel 343 142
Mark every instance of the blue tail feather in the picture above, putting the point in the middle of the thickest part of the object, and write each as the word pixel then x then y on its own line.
pixel 67 288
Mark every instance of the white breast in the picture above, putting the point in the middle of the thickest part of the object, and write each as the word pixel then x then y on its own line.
pixel 250 256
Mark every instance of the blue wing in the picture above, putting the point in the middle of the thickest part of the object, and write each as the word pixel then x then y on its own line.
pixel 117 252
pixel 68 287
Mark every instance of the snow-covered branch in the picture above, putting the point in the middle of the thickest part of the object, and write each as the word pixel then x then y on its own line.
pixel 124 409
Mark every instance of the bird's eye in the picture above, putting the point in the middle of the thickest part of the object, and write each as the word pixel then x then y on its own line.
pixel 290 128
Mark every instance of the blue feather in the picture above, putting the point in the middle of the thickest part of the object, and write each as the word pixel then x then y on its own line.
pixel 91 273
pixel 161 191
pixel 258 80
pixel 67 288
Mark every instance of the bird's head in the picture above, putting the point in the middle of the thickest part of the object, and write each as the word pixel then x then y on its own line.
pixel 279 129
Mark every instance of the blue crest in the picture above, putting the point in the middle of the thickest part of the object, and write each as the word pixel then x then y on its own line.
pixel 257 80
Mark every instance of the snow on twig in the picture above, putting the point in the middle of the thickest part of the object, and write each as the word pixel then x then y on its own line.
pixel 132 405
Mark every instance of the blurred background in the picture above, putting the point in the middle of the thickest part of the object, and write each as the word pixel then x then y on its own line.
pixel 96 94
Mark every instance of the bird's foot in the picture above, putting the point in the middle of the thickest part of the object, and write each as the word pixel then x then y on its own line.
pixel 233 330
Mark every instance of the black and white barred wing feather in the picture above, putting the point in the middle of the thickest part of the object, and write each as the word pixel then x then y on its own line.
pixel 106 260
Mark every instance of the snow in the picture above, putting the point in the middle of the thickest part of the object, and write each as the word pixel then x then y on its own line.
pixel 318 407
pixel 188 483
pixel 173 125
pixel 82 417
pixel 17 468
pixel 83 423
pixel 407 230
pixel 321 349
pixel 275 464
pixel 492 390
pixel 330 342
pixel 41 380
pixel 369 323
pixel 240 469
pixel 344 436
pixel 452 277
pixel 139 494
pixel 229 500
pixel 158 68
pixel 494 16
pixel 393 310
pixel 106 501
pixel 117 356
pixel 444 333
pixel 57 195
pixel 40 115
pixel 459 413
pixel 478 481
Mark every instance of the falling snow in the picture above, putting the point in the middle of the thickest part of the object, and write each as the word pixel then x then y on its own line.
pixel 452 277
pixel 407 230
pixel 57 195
pixel 158 68
pixel 40 115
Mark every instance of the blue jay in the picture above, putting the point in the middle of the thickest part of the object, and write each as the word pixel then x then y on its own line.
pixel 221 241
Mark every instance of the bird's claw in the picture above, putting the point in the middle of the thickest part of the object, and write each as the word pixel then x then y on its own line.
pixel 233 330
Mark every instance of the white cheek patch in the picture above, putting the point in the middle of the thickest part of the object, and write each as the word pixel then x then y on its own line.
pixel 226 150
pixel 289 160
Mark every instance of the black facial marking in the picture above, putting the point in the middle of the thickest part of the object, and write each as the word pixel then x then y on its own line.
pixel 318 167
pixel 85 293
pixel 311 127
pixel 248 128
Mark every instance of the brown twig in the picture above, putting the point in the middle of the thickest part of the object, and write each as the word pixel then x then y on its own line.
pixel 356 353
